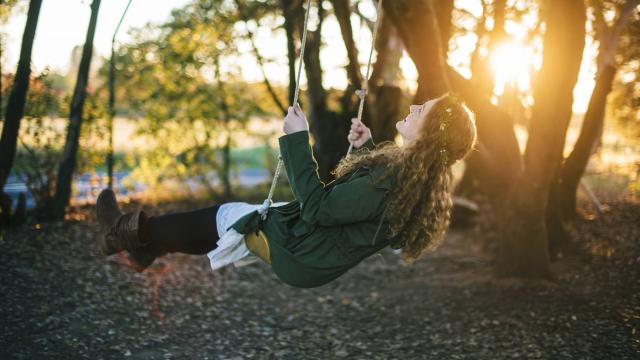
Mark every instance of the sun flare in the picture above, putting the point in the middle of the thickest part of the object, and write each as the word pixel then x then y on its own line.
pixel 511 64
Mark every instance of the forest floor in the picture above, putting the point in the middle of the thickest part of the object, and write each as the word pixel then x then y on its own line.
pixel 60 299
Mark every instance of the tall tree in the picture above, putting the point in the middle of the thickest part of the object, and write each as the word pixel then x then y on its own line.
pixel 523 248
pixel 608 38
pixel 343 14
pixel 420 18
pixel 112 97
pixel 226 118
pixel 444 9
pixel 517 186
pixel 386 95
pixel 17 98
pixel 68 163
pixel 6 8
pixel 498 158
pixel 245 13
pixel 482 74
pixel 562 197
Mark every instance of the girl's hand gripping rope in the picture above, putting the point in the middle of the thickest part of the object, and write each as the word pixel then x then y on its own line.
pixel 295 120
pixel 359 133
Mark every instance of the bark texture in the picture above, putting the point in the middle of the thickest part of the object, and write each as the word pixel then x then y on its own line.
pixel 565 187
pixel 68 163
pixel 385 96
pixel 523 249
pixel 18 95
pixel 290 15
pixel 417 25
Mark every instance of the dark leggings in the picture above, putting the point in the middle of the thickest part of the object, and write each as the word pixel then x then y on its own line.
pixel 191 232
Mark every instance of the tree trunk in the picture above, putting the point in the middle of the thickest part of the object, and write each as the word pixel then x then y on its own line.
pixel 17 98
pixel 112 114
pixel 523 247
pixel 414 21
pixel 498 159
pixel 386 96
pixel 482 72
pixel 226 167
pixel 562 197
pixel 444 9
pixel 112 99
pixel 497 162
pixel 566 184
pixel 343 14
pixel 290 15
pixel 6 210
pixel 349 102
pixel 68 163
pixel 1 92
pixel 497 33
pixel 328 128
pixel 226 117
pixel 265 79
pixel 478 61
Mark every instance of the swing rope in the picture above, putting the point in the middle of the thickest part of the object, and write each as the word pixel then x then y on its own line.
pixel 362 93
pixel 268 201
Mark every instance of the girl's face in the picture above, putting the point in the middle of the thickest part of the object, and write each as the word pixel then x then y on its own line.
pixel 409 127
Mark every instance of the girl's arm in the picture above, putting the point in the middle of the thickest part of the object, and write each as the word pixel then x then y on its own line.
pixel 357 200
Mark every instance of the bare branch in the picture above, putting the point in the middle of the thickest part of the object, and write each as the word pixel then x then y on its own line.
pixel 625 14
pixel 370 23
pixel 343 14
pixel 250 36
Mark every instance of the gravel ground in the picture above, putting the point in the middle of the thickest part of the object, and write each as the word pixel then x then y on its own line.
pixel 62 300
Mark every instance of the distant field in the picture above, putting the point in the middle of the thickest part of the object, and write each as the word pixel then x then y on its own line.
pixel 614 169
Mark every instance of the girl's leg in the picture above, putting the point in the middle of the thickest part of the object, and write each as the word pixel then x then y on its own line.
pixel 147 237
pixel 192 232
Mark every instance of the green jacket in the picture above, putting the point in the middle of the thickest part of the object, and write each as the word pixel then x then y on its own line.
pixel 329 228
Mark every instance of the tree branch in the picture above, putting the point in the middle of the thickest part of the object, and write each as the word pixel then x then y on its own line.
pixel 313 68
pixel 343 15
pixel 411 18
pixel 625 14
pixel 250 36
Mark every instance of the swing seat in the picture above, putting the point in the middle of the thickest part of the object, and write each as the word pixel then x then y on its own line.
pixel 258 245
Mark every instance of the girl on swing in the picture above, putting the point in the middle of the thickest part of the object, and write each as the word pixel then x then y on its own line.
pixel 384 195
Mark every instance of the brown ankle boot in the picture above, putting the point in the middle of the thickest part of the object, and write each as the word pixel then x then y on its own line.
pixel 121 231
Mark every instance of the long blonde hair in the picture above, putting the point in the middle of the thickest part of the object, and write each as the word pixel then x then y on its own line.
pixel 418 212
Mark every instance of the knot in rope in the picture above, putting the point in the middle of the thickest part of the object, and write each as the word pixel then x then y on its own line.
pixel 265 208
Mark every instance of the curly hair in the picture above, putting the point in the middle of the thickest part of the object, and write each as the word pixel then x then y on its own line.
pixel 418 211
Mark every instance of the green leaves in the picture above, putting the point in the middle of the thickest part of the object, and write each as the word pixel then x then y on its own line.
pixel 182 82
